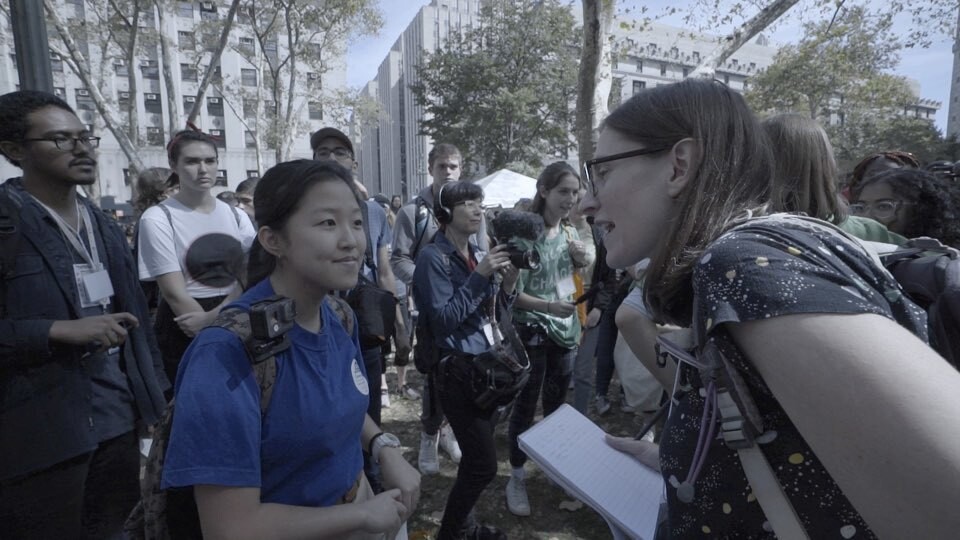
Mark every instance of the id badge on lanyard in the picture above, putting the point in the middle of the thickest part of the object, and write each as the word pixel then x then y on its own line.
pixel 92 279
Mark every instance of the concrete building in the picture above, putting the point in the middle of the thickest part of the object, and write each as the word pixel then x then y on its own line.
pixel 393 159
pixel 393 156
pixel 228 118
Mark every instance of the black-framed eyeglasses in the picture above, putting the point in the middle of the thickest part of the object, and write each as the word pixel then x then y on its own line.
pixel 324 153
pixel 69 143
pixel 588 176
pixel 884 209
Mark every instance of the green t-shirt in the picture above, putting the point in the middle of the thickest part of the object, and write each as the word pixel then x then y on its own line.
pixel 871 230
pixel 555 275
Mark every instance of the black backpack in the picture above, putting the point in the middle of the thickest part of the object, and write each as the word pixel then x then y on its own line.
pixel 929 274
pixel 172 514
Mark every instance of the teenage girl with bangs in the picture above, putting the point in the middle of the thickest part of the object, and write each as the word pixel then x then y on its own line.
pixel 682 176
pixel 296 471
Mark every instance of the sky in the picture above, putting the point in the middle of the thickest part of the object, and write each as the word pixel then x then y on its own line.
pixel 930 67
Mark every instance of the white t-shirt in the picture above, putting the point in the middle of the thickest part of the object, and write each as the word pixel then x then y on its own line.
pixel 162 250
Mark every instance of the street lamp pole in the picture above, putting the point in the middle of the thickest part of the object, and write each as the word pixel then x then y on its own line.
pixel 31 45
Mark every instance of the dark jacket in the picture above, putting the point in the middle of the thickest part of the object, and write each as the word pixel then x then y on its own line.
pixel 453 299
pixel 604 280
pixel 45 388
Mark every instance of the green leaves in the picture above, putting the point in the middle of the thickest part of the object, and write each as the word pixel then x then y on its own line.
pixel 503 92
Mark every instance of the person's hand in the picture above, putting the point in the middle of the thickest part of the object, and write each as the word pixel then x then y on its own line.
pixel 398 473
pixel 510 274
pixel 578 251
pixel 497 259
pixel 646 452
pixel 561 309
pixel 107 330
pixel 192 323
pixel 593 317
pixel 384 513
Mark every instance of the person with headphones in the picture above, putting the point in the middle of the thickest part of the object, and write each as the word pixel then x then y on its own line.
pixel 455 287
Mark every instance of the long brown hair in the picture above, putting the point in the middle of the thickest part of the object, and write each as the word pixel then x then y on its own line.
pixel 549 179
pixel 805 171
pixel 731 178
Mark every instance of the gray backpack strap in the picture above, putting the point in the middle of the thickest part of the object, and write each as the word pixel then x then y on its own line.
pixel 238 322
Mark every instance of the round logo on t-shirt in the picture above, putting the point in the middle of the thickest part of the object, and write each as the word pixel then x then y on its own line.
pixel 358 378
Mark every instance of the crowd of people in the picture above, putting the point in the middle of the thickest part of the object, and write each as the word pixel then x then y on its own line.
pixel 693 214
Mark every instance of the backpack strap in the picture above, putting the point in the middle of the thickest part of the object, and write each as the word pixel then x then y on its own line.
pixel 238 321
pixel 343 311
pixel 368 254
pixel 10 204
pixel 236 215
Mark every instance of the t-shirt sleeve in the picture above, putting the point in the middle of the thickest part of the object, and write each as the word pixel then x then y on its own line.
pixel 247 232
pixel 215 438
pixel 156 249
pixel 756 274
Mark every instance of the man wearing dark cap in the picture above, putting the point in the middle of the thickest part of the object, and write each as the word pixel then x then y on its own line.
pixel 79 366
pixel 332 144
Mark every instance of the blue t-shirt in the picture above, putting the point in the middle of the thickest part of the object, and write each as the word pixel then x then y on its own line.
pixel 308 452
pixel 379 235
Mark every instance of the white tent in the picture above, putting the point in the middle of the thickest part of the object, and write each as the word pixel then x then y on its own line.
pixel 505 188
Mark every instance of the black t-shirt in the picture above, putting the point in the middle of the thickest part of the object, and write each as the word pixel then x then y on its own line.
pixel 769 267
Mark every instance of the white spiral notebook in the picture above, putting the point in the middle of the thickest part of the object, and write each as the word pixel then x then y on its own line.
pixel 571 450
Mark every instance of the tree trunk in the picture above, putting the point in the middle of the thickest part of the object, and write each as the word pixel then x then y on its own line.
pixel 214 61
pixel 166 56
pixel 594 80
pixel 286 142
pixel 79 63
pixel 743 34
pixel 130 58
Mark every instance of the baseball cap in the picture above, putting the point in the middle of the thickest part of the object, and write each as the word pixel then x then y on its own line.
pixel 330 133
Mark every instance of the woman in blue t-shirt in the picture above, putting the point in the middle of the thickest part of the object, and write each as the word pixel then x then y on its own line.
pixel 546 315
pixel 848 417
pixel 280 476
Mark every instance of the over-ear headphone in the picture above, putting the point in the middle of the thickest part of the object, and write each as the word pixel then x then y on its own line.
pixel 444 214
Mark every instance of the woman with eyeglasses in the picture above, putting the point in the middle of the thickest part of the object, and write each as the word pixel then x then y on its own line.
pixel 545 314
pixel 910 202
pixel 806 178
pixel 852 410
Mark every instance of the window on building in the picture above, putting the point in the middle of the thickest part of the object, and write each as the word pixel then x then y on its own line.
pixel 56 64
pixel 84 103
pixel 251 173
pixel 247 45
pixel 248 77
pixel 270 109
pixel 638 86
pixel 215 106
pixel 186 40
pixel 120 68
pixel 313 79
pixel 127 177
pixel 188 72
pixel 150 69
pixel 249 108
pixel 639 66
pixel 185 9
pixel 841 117
pixel 726 79
pixel 152 103
pixel 250 138
pixel 147 19
pixel 243 14
pixel 613 61
pixel 663 69
pixel 155 136
pixel 221 178
pixel 219 137
pixel 686 71
pixel 208 11
pixel 316 110
pixel 270 49
pixel 60 92
pixel 696 56
pixel 78 8
pixel 123 100
pixel 188 102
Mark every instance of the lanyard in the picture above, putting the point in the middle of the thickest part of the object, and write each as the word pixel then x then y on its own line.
pixel 92 256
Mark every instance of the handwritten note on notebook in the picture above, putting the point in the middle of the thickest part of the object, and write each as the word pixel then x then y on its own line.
pixel 571 450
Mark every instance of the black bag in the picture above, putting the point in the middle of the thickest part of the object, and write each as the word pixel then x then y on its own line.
pixel 426 356
pixel 929 274
pixel 498 375
pixel 376 308
pixel 376 311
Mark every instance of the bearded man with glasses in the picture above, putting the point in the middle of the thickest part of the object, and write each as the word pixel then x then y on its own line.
pixel 79 365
